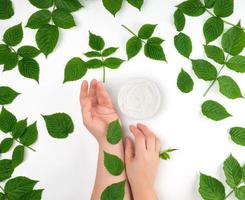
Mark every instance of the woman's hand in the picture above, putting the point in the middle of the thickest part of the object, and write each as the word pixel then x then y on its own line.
pixel 142 159
pixel 97 108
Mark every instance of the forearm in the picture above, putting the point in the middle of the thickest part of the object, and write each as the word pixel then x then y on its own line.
pixel 103 177
pixel 144 193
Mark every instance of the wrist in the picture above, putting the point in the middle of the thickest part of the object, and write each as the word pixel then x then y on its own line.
pixel 143 191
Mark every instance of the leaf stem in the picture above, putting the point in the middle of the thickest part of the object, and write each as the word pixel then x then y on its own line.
pixel 229 194
pixel 211 85
pixel 12 49
pixel 25 145
pixel 129 30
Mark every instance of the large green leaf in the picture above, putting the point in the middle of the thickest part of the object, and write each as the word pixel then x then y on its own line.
pixel 30 135
pixel 47 38
pixel 39 18
pixel 237 63
pixel 6 144
pixel 179 20
pixel 240 193
pixel 42 4
pixel 113 62
pixel 133 47
pixel 6 9
pixel 215 53
pixel 192 7
pixel 114 132
pixel 63 19
pixel 238 135
pixel 7 121
pixel 18 155
pixel 146 31
pixel 223 8
pixel 59 125
pixel 29 68
pixel 209 3
pixel 19 128
pixel 96 42
pixel 6 169
pixel 2 196
pixel 113 6
pixel 11 61
pixel 136 3
pixel 33 195
pixel 183 44
pixel 154 50
pixel 214 110
pixel 70 6
pixel 28 51
pixel 113 164
pixel 184 82
pixel 114 192
pixel 13 35
pixel 7 95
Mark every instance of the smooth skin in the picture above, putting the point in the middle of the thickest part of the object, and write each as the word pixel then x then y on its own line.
pixel 141 157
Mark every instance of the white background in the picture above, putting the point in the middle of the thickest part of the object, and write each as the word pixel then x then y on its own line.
pixel 66 168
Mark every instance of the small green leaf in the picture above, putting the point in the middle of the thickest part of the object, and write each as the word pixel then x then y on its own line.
pixel 39 18
pixel 214 110
pixel 6 144
pixel 42 4
pixel 165 154
pixel 204 70
pixel 7 95
pixel 183 44
pixel 113 164
pixel 215 53
pixel 114 192
pixel 114 132
pixel 19 128
pixel 109 51
pixel 179 20
pixel 113 6
pixel 210 188
pixel 28 52
pixel 133 47
pixel 233 172
pixel 113 62
pixel 63 19
pixel 59 125
pixel 209 3
pixel 18 155
pixel 29 68
pixel 136 3
pixel 4 52
pixel 92 54
pixel 70 6
pixel 185 82
pixel 213 28
pixel 153 49
pixel 13 35
pixel 146 31
pixel 240 192
pixel 6 9
pixel 6 169
pixel 229 88
pixel 47 38
pixel 75 69
pixel 238 135
pixel 30 135
pixel 237 63
pixel 96 42
pixel 192 7
pixel 223 8
pixel 10 62
pixel 93 63
pixel 7 121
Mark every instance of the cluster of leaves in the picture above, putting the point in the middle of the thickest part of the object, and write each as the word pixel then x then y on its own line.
pixel 212 189
pixel 6 9
pixel 23 57
pixel 48 22
pixel 227 55
pixel 114 6
pixel 76 68
pixel 152 45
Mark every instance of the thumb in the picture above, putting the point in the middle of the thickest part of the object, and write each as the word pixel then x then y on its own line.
pixel 129 150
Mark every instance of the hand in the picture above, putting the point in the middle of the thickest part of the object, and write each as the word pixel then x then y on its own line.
pixel 142 159
pixel 97 108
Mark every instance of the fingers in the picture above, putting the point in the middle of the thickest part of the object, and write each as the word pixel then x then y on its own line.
pixel 85 103
pixel 102 95
pixel 83 92
pixel 139 139
pixel 92 91
pixel 129 150
pixel 158 145
pixel 149 135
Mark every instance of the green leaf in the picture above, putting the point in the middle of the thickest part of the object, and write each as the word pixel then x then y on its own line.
pixel 229 88
pixel 184 82
pixel 70 6
pixel 59 125
pixel 233 172
pixel 153 49
pixel 233 41
pixel 6 144
pixel 6 169
pixel 240 192
pixel 213 28
pixel 215 53
pixel 113 164
pixel 113 62
pixel 63 19
pixel 17 187
pixel 210 188
pixel 33 195
pixel 238 135
pixel 42 4
pixel 29 68
pixel 11 61
pixel 146 31
pixel 28 52
pixel 133 47
pixel 7 95
pixel 179 20
pixel 114 132
pixel 19 128
pixel 94 63
pixel 13 35
pixel 18 155
pixel 75 69
pixel 114 192
pixel 237 63
pixel 92 54
pixel 30 135
pixel 4 51
pixel 209 3
pixel 165 154
pixel 39 19
pixel 113 6
pixel 223 8
pixel 96 42
pixel 192 7
pixel 6 9
pixel 204 70
pixel 7 121
pixel 2 196
pixel 243 172
pixel 47 38
pixel 183 44
pixel 136 3
pixel 109 51
pixel 214 110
